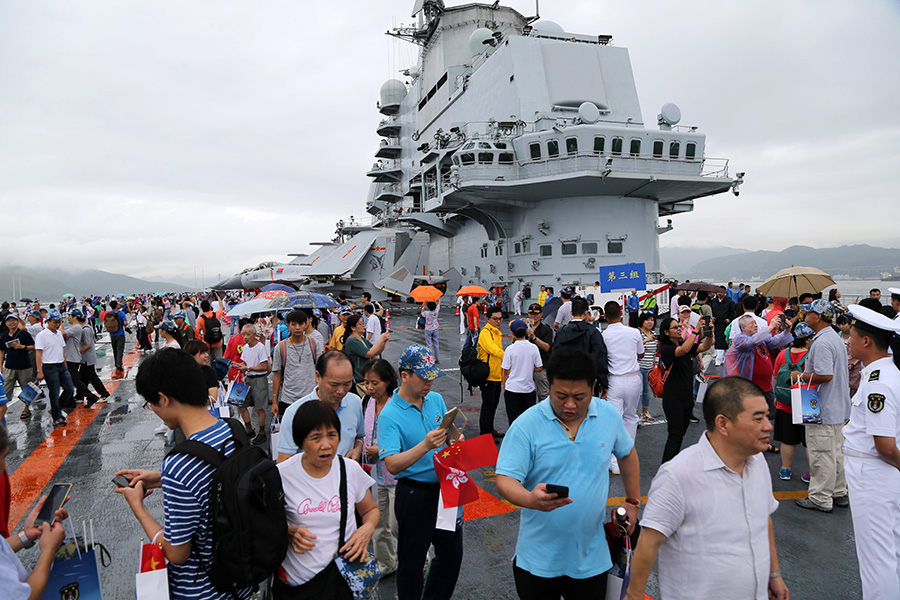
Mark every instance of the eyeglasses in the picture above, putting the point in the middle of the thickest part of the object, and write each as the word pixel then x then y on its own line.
pixel 495 318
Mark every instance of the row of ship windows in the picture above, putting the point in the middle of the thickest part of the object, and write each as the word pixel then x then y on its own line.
pixel 566 248
pixel 617 143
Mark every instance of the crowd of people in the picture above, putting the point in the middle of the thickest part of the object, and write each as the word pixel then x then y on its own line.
pixel 357 434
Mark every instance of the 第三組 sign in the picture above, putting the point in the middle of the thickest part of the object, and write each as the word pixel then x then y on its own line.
pixel 623 277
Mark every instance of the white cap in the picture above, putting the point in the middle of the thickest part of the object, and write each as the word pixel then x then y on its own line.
pixel 874 319
pixel 894 291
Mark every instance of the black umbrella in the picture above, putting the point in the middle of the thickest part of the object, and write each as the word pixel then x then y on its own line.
pixel 551 306
pixel 700 286
pixel 25 300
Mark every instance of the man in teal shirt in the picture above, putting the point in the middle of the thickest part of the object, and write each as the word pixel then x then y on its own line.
pixel 566 440
pixel 409 431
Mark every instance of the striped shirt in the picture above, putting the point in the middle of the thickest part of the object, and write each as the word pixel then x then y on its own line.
pixel 649 360
pixel 185 483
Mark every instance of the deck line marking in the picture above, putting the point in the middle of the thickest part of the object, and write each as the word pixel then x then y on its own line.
pixel 36 471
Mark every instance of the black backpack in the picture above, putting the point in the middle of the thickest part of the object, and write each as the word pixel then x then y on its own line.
pixel 246 504
pixel 474 371
pixel 212 330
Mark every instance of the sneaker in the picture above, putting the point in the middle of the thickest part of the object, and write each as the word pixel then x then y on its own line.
pixel 614 469
pixel 841 502
pixel 805 478
pixel 60 423
pixel 784 474
pixel 648 419
pixel 810 505
pixel 259 438
pixel 694 419
pixel 161 429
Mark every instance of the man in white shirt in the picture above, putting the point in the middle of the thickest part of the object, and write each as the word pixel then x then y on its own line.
pixel 564 313
pixel 256 369
pixel 50 346
pixel 521 360
pixel 517 303
pixel 624 347
pixel 373 324
pixel 710 506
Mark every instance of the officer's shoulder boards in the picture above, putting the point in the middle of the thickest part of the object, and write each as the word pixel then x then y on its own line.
pixel 874 375
pixel 876 402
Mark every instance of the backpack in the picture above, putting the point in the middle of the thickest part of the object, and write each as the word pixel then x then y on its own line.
pixel 475 372
pixel 282 349
pixel 246 506
pixel 783 377
pixel 212 330
pixel 657 379
pixel 111 322
pixel 383 323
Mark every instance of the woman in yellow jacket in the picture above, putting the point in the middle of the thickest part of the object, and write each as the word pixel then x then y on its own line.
pixel 490 350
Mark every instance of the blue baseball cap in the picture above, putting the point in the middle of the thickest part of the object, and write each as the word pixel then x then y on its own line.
pixel 420 361
pixel 54 315
pixel 518 327
pixel 802 330
pixel 13 315
pixel 820 306
pixel 75 312
pixel 168 325
pixel 178 314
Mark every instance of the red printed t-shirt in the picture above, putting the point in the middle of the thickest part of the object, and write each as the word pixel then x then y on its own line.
pixel 233 353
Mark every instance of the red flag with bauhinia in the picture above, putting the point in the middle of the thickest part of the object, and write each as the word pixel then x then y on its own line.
pixel 152 558
pixel 451 464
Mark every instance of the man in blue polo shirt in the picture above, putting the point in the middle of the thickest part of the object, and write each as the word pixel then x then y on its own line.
pixel 334 378
pixel 566 440
pixel 117 338
pixel 408 434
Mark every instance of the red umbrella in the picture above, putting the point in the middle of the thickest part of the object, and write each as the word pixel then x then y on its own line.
pixel 270 294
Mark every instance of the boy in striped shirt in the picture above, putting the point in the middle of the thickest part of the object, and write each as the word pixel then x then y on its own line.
pixel 172 384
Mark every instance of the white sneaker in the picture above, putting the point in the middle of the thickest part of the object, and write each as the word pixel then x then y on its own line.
pixel 161 429
pixel 614 469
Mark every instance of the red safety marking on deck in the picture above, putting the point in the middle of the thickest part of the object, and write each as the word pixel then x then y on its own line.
pixel 487 505
pixel 33 475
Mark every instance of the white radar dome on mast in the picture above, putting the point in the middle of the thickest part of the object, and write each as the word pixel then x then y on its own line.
pixel 548 28
pixel 480 40
pixel 393 91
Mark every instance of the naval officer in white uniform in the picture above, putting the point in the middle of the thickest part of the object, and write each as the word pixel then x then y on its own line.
pixel 871 454
pixel 624 347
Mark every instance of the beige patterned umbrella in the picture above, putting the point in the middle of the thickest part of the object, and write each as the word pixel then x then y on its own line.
pixel 794 281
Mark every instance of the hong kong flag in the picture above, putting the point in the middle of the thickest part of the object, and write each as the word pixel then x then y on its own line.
pixel 451 464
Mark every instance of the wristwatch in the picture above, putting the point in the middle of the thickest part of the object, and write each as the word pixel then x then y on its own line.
pixel 26 543
pixel 774 574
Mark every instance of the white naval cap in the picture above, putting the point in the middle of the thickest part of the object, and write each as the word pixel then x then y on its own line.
pixel 872 319
pixel 894 291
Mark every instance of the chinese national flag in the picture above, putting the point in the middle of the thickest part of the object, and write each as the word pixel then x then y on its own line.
pixel 152 558
pixel 451 464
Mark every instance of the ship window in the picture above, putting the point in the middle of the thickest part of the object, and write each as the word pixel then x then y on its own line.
pixel 657 149
pixel 552 148
pixel 484 145
pixel 589 248
pixel 674 149
pixel 467 158
pixel 455 160
pixel 546 250
pixel 485 158
pixel 614 247
pixel 517 248
pixel 505 158
pixel 498 250
pixel 572 145
pixel 599 143
pixel 635 147
pixel 617 146
pixel 569 248
pixel 526 246
pixel 483 252
pixel 535 151
pixel 469 146
pixel 690 150
pixel 500 145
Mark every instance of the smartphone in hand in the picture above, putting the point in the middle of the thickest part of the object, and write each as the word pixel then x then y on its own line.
pixel 121 481
pixel 561 491
pixel 58 496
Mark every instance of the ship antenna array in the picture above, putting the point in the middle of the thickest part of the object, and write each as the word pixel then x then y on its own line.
pixel 537 13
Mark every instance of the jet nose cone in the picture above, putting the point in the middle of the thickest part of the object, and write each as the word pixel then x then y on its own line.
pixel 233 283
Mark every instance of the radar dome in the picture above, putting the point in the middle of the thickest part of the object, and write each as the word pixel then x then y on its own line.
pixel 669 114
pixel 588 112
pixel 548 27
pixel 477 40
pixel 393 91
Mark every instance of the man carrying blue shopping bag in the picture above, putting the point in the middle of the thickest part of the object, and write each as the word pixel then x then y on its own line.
pixel 826 367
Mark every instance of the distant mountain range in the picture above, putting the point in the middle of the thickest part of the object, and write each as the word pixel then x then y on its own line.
pixel 51 284
pixel 731 264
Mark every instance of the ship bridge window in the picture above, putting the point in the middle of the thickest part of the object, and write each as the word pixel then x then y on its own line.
pixel 614 247
pixel 505 158
pixel 569 248
pixel 552 148
pixel 617 146
pixel 674 149
pixel 599 143
pixel 535 149
pixel 469 146
pixel 546 250
pixel 658 149
pixel 635 147
pixel 690 150
pixel 500 145
pixel 485 158
pixel 589 248
pixel 526 246
pixel 571 145
pixel 483 252
pixel 467 158
pixel 517 248
pixel 498 250
pixel 484 145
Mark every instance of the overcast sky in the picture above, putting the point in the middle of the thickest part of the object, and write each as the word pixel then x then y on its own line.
pixel 156 138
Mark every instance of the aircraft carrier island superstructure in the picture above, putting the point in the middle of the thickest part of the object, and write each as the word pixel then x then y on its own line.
pixel 515 154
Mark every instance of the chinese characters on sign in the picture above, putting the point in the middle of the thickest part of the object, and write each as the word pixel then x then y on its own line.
pixel 623 277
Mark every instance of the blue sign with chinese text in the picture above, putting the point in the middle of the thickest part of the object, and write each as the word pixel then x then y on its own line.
pixel 623 277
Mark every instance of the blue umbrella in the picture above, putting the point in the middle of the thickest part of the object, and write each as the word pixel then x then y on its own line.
pixel 277 287
pixel 303 300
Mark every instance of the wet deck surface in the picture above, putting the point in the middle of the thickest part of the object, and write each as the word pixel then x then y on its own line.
pixel 816 550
